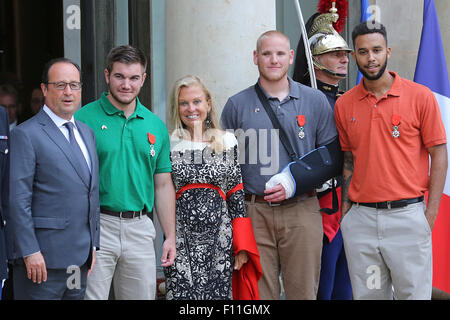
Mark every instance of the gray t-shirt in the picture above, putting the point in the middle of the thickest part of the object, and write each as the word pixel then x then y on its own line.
pixel 261 154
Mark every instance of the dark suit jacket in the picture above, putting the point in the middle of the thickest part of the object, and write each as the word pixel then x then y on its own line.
pixel 52 210
pixel 4 186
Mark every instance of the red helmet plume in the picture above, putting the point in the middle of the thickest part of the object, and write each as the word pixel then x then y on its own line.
pixel 342 9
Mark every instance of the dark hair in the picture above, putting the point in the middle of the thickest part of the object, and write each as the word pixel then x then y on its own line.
pixel 126 54
pixel 9 90
pixel 369 27
pixel 49 64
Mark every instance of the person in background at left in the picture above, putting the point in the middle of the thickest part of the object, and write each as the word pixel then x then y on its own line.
pixel 4 191
pixel 36 101
pixel 54 200
pixel 214 235
pixel 9 99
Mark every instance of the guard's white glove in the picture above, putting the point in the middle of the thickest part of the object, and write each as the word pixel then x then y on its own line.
pixel 285 179
pixel 327 185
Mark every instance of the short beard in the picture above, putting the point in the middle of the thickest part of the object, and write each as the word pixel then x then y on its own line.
pixel 119 100
pixel 271 78
pixel 375 77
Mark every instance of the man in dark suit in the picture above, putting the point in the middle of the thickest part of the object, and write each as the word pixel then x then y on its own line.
pixel 4 190
pixel 54 201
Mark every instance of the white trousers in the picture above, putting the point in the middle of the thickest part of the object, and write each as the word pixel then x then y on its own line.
pixel 127 257
pixel 389 252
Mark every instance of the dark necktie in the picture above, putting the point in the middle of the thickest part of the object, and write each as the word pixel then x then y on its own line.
pixel 78 153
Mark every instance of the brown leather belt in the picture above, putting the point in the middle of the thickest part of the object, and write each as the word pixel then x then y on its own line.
pixel 260 199
pixel 124 214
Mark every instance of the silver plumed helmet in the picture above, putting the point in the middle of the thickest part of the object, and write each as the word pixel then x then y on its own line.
pixel 323 37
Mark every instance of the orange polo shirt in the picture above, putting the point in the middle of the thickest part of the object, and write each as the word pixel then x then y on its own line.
pixel 388 168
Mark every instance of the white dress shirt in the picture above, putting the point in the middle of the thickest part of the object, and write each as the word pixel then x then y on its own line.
pixel 12 125
pixel 60 124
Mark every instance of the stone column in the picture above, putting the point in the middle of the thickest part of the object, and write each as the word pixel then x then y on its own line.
pixel 215 41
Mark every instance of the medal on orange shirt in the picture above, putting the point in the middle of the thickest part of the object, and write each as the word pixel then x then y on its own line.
pixel 152 140
pixel 396 122
pixel 301 120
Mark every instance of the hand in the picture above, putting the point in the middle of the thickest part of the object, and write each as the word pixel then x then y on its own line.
pixel 169 253
pixel 36 269
pixel 275 194
pixel 345 207
pixel 431 215
pixel 240 259
pixel 285 179
pixel 93 263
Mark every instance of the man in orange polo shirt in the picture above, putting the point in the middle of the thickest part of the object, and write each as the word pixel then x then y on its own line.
pixel 388 128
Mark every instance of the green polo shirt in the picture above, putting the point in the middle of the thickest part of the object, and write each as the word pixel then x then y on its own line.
pixel 126 164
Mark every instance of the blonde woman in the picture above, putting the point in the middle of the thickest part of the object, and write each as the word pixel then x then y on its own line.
pixel 211 222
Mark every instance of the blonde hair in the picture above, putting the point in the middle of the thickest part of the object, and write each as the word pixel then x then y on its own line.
pixel 213 135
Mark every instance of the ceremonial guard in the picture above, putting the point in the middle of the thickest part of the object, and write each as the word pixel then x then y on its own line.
pixel 329 56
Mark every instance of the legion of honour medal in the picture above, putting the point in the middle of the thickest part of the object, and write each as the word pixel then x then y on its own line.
pixel 395 125
pixel 301 120
pixel 151 140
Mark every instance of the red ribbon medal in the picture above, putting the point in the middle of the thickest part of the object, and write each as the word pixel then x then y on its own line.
pixel 152 140
pixel 395 123
pixel 301 120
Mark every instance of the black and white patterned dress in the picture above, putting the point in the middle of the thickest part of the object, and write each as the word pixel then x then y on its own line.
pixel 209 196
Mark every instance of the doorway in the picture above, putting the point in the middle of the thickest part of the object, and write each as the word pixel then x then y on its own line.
pixel 31 34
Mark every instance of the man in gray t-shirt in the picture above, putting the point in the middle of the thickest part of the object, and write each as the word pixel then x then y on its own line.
pixel 288 231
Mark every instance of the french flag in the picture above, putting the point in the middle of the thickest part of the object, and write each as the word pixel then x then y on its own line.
pixel 365 16
pixel 431 71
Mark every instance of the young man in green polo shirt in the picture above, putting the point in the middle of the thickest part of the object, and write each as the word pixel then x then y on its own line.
pixel 135 176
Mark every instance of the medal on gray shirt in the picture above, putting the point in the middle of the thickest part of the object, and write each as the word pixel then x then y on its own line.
pixel 301 120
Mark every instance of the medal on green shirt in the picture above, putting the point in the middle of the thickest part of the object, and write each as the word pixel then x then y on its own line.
pixel 152 140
